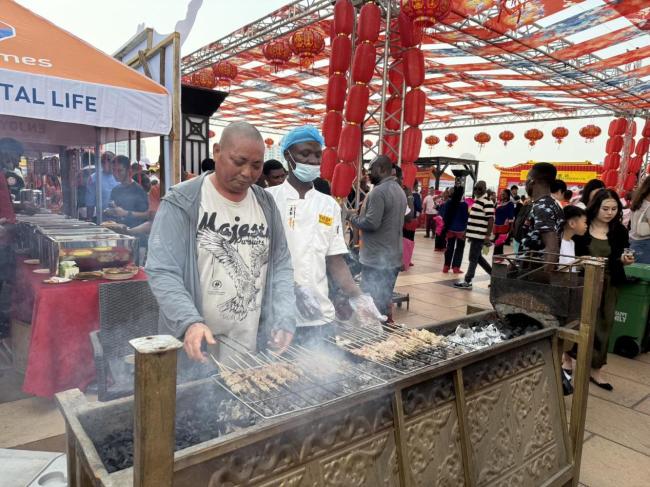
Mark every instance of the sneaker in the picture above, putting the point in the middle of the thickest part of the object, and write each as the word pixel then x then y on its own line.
pixel 445 269
pixel 463 285
pixel 457 270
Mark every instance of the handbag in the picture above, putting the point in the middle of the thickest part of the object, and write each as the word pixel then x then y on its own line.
pixel 642 224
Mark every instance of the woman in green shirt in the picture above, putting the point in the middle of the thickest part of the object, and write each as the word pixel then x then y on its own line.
pixel 608 238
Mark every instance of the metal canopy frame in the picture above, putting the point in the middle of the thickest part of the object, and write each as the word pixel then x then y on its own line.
pixel 440 164
pixel 535 70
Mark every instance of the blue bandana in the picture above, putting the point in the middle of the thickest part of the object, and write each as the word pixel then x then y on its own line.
pixel 306 133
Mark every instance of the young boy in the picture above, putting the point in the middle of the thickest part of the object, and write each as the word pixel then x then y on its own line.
pixel 575 223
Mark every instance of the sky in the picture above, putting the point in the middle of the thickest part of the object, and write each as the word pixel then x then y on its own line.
pixel 108 25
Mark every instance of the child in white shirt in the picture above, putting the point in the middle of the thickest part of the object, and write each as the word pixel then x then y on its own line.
pixel 575 223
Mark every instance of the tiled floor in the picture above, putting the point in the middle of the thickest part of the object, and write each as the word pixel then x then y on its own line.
pixel 617 447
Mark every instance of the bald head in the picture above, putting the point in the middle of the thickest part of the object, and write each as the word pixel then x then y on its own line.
pixel 238 131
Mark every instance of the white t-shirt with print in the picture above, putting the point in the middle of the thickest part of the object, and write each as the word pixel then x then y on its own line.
pixel 314 231
pixel 233 249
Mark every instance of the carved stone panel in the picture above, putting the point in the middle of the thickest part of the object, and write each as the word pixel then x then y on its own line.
pixel 514 418
pixel 433 445
pixel 427 395
pixel 295 457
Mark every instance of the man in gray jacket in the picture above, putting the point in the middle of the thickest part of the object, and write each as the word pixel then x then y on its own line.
pixel 218 259
pixel 381 221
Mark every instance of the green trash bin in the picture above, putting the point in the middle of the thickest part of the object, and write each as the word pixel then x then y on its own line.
pixel 630 331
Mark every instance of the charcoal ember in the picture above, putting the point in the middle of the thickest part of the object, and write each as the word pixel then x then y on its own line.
pixel 192 427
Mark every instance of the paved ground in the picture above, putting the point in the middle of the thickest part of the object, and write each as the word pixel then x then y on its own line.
pixel 617 446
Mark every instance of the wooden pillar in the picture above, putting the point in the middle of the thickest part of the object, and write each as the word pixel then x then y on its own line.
pixel 592 292
pixel 154 410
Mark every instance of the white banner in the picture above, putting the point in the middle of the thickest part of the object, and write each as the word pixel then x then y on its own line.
pixel 63 100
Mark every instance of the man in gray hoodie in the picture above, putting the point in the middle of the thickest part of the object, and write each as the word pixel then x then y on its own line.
pixel 218 259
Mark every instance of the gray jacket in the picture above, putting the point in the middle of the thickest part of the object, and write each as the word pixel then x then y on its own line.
pixel 381 222
pixel 173 271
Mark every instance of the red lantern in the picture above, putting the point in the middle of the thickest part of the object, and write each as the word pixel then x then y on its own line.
pixel 186 80
pixel 307 43
pixel 533 136
pixel 328 163
pixel 431 140
pixel 612 161
pixel 630 182
pixel 413 67
pixel 617 127
pixel 363 65
pixel 357 104
pixel 393 113
pixel 204 79
pixel 277 53
pixel 614 144
pixel 337 86
pixel 369 22
pixel 396 78
pixel 343 17
pixel 349 143
pixel 332 126
pixel 411 144
pixel 211 134
pixel 368 143
pixel 269 142
pixel 225 72
pixel 409 173
pixel 451 139
pixel 342 180
pixel 482 138
pixel 634 164
pixel 414 105
pixel 590 132
pixel 642 146
pixel 506 136
pixel 425 13
pixel 559 133
pixel 390 146
pixel 409 35
pixel 610 179
pixel 646 129
pixel 341 55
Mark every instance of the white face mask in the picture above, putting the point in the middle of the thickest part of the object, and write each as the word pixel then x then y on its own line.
pixel 304 172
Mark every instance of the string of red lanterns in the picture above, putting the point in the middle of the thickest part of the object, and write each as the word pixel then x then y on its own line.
pixel 340 58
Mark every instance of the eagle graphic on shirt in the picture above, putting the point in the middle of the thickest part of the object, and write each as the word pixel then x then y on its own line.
pixel 243 276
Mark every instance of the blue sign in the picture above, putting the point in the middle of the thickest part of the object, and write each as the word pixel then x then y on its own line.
pixel 6 31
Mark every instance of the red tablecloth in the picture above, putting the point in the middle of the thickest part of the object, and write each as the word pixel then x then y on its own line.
pixel 62 316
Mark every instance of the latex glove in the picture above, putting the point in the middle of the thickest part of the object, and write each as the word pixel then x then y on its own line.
pixel 307 303
pixel 366 312
pixel 280 341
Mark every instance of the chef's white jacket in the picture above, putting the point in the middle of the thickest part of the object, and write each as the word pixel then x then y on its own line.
pixel 314 231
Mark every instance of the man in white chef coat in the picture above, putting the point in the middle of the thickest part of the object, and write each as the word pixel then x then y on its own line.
pixel 314 231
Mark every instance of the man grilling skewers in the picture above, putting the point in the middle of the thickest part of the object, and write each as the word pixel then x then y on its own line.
pixel 218 259
pixel 314 231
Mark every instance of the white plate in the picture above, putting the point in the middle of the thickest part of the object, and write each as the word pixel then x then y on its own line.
pixel 41 271
pixel 32 261
pixel 57 280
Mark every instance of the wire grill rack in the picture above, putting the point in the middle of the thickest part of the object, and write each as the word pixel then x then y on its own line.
pixel 273 385
pixel 399 349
